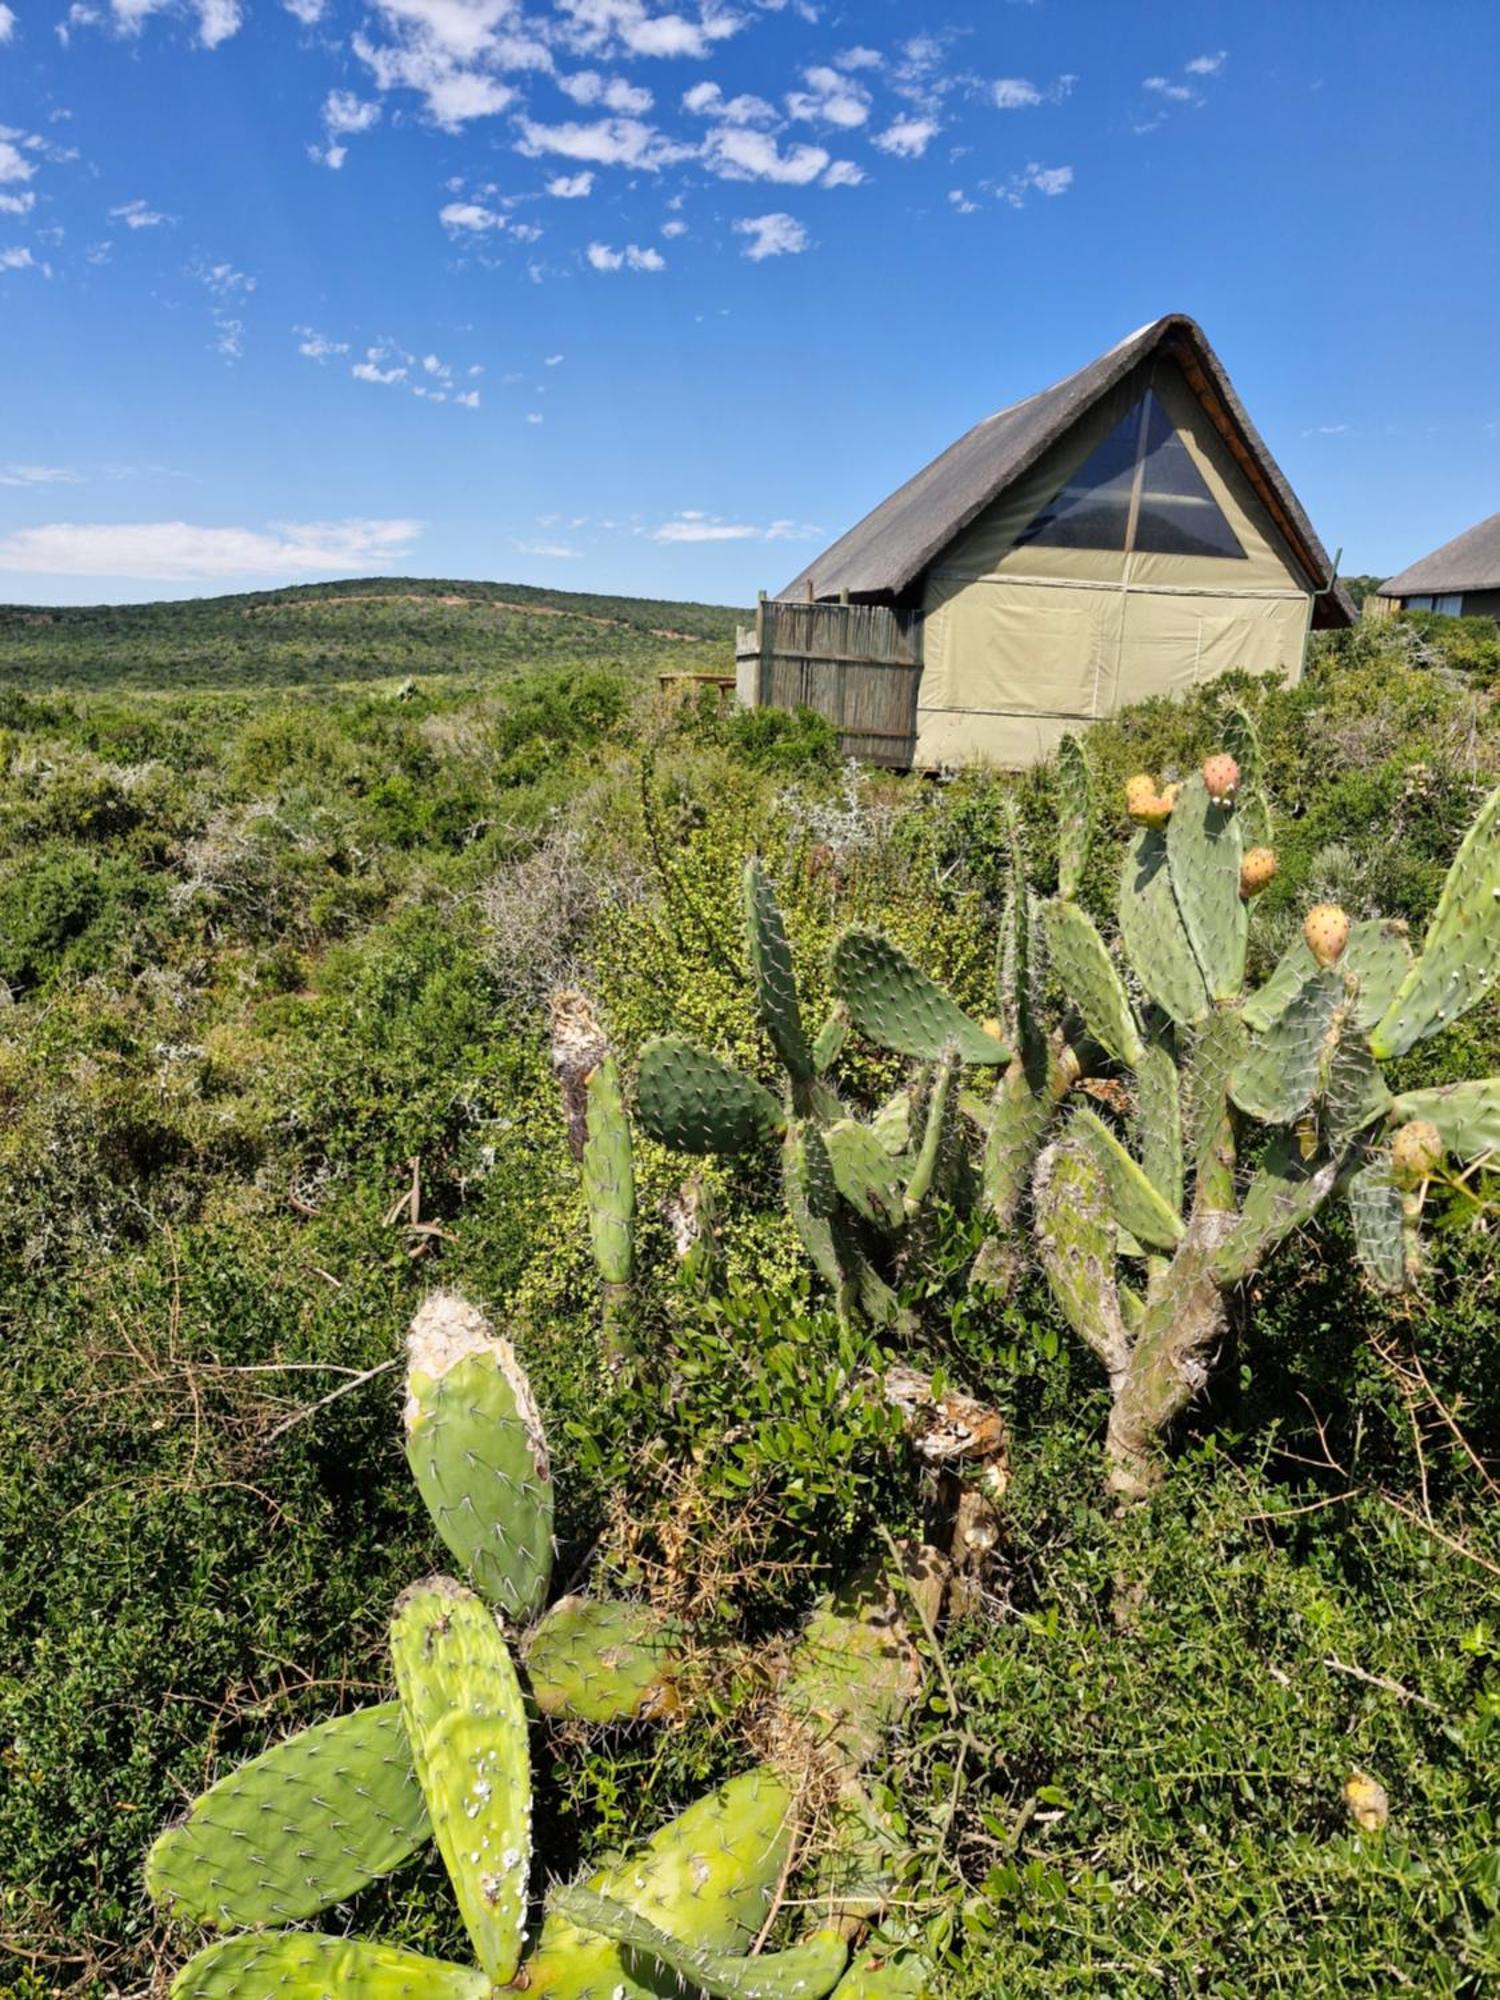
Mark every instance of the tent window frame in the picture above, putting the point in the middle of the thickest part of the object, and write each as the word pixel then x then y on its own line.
pixel 1147 524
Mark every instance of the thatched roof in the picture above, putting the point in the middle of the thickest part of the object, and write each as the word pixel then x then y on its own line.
pixel 1471 561
pixel 887 551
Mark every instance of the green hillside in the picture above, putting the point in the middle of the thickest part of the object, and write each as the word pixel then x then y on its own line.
pixel 368 628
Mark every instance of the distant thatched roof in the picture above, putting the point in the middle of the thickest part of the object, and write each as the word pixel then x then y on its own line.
pixel 888 550
pixel 1471 561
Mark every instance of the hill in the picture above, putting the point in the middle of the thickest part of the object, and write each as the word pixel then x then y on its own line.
pixel 368 628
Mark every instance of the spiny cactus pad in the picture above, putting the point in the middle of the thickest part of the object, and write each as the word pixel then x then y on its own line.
pixel 1375 1209
pixel 804 1972
pixel 1277 1077
pixel 1087 975
pixel 601 1661
pixel 303 1826
pixel 306 1965
pixel 1153 934
pixel 771 971
pixel 900 1008
pixel 609 1174
pixel 1204 851
pixel 904 1975
pixel 1461 953
pixel 1466 1115
pixel 864 1172
pixel 1075 819
pixel 475 1446
pixel 466 1723
pixel 1138 1206
pixel 691 1101
pixel 1158 1123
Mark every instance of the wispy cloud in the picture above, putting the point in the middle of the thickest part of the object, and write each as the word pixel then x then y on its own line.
pixel 692 526
pixel 1019 93
pixel 908 138
pixel 571 187
pixel 184 552
pixel 1186 87
pixel 631 258
pixel 37 475
pixel 7 24
pixel 19 258
pixel 553 551
pixel 830 98
pixel 775 235
pixel 139 215
pixel 736 153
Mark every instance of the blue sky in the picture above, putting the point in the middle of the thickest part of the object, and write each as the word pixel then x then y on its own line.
pixel 657 295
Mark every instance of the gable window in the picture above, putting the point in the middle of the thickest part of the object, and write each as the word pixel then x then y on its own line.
pixel 1137 489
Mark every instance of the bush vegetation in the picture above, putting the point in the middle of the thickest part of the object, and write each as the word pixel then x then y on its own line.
pixel 274 1062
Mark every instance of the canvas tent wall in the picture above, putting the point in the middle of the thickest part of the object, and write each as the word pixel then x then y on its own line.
pixel 1123 534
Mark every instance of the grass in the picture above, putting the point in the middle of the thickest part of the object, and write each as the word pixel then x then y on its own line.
pixel 264 952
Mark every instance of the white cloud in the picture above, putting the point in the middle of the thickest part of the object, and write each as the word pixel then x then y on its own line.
pixel 7 24
pixel 553 360
pixel 860 58
pixel 308 12
pixel 37 475
pixel 1015 93
pixel 554 551
pixel 607 142
pixel 343 112
pixel 843 174
pixel 571 187
pixel 740 155
pixel 706 100
pixel 17 204
pixel 223 280
pixel 691 525
pixel 136 215
pixel 631 258
pixel 830 99
pixel 217 19
pixel 14 165
pixel 473 216
pixel 370 370
pixel 534 417
pixel 18 258
pixel 1049 180
pixel 229 336
pixel 962 202
pixel 676 227
pixel 182 552
pixel 908 138
pixel 453 53
pixel 775 235
pixel 431 365
pixel 1176 93
pixel 316 346
pixel 469 398
pixel 613 92
pixel 1032 179
pixel 1207 65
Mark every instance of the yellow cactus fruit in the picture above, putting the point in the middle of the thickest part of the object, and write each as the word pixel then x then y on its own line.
pixel 1367 1800
pixel 1257 870
pixel 1326 929
pixel 1417 1151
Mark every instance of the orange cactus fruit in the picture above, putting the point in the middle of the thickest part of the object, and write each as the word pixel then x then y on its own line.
pixel 1256 870
pixel 1417 1151
pixel 1221 777
pixel 1326 929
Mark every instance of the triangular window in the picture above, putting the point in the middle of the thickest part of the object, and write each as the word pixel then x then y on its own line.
pixel 1138 489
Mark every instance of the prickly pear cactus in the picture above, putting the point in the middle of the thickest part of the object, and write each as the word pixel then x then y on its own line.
pixel 1245 1109
pixel 313 1820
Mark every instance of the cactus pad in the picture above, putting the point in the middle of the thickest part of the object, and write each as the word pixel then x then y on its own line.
pixel 1285 1192
pixel 601 1661
pixel 1375 1209
pixel 900 1008
pixel 1075 818
pixel 1278 1075
pixel 1158 1123
pixel 864 1173
pixel 304 1825
pixel 691 1101
pixel 804 1972
pixel 1467 1115
pixel 854 1671
pixel 1152 931
pixel 466 1723
pixel 1138 1206
pixel 1088 977
pixel 1204 852
pixel 305 1965
pixel 811 1197
pixel 904 1975
pixel 1461 953
pixel 771 971
pixel 609 1174
pixel 475 1446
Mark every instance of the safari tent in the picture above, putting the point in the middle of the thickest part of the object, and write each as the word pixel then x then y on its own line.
pixel 1124 533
